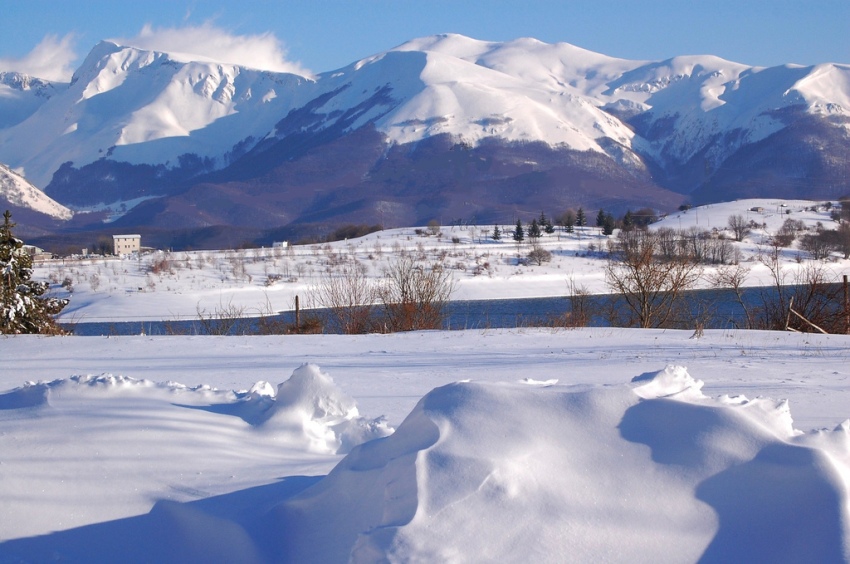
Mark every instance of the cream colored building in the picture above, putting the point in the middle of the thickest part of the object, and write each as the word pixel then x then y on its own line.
pixel 126 244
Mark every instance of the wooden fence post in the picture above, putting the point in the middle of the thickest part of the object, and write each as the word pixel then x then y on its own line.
pixel 297 316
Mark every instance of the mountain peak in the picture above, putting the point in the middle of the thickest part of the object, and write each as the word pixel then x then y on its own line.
pixel 24 82
pixel 102 50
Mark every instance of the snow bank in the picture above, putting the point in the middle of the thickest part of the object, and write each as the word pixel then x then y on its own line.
pixel 654 471
pixel 310 407
pixel 531 470
pixel 92 448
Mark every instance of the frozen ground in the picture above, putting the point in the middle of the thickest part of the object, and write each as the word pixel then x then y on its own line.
pixel 499 445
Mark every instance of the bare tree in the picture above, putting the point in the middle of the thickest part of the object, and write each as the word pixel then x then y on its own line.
pixel 732 277
pixel 349 296
pixel 811 289
pixel 788 232
pixel 581 306
pixel 842 240
pixel 650 288
pixel 739 226
pixel 826 241
pixel 819 245
pixel 413 295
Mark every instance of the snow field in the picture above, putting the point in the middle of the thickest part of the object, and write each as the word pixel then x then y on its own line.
pixel 253 282
pixel 586 444
pixel 508 444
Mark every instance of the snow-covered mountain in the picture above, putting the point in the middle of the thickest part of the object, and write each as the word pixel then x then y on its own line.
pixel 145 107
pixel 556 124
pixel 21 95
pixel 19 192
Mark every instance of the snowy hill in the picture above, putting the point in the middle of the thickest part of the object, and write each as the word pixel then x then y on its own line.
pixel 568 126
pixel 18 192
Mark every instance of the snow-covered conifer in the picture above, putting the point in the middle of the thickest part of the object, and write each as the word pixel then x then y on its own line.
pixel 23 306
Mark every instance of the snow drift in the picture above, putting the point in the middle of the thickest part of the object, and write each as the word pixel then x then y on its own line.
pixel 124 442
pixel 649 471
pixel 652 472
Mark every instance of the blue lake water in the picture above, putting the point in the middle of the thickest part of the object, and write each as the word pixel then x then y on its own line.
pixel 718 309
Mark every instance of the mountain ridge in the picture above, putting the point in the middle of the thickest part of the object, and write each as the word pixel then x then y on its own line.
pixel 134 124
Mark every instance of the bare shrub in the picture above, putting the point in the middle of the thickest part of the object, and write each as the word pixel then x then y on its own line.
pixel 162 265
pixel 228 319
pixel 538 255
pixel 812 290
pixel 273 279
pixel 350 297
pixel 650 289
pixel 414 296
pixel 580 311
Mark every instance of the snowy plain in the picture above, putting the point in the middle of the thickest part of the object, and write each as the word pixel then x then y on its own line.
pixel 257 282
pixel 552 445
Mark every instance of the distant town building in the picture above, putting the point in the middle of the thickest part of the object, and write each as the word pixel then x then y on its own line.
pixel 37 253
pixel 280 244
pixel 126 244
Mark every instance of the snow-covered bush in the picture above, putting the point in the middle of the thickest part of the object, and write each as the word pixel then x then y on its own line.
pixel 23 306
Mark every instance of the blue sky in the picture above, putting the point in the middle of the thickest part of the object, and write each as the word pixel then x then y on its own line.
pixel 52 36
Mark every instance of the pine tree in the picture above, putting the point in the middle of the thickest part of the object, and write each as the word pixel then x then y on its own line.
pixel 600 218
pixel 534 229
pixel 569 222
pixel 608 224
pixel 23 306
pixel 519 232
pixel 628 221
pixel 581 219
pixel 545 224
pixel 497 233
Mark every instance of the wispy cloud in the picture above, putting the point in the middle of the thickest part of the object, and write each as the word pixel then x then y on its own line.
pixel 51 59
pixel 263 51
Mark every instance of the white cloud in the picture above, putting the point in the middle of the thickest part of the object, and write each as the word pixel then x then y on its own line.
pixel 51 59
pixel 263 51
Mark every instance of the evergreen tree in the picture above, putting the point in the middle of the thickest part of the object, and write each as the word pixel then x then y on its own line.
pixel 608 224
pixel 600 218
pixel 497 233
pixel 548 227
pixel 23 306
pixel 519 232
pixel 581 219
pixel 569 222
pixel 534 229
pixel 628 221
